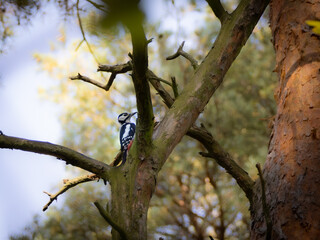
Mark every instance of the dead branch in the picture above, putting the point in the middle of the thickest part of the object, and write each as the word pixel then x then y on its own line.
pixel 92 81
pixel 67 185
pixel 114 69
pixel 181 52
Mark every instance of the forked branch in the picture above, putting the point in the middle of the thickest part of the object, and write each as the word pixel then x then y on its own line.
pixel 67 185
pixel 181 52
pixel 113 69
pixel 92 81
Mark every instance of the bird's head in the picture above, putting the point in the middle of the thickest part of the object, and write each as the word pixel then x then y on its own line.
pixel 125 117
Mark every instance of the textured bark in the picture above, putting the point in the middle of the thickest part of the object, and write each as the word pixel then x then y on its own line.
pixel 132 187
pixel 292 168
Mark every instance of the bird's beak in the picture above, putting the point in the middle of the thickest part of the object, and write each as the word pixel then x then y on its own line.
pixel 132 114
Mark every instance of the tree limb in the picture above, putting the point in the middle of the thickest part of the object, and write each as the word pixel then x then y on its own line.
pixel 218 9
pixel 179 52
pixel 109 219
pixel 67 185
pixel 62 153
pixel 223 158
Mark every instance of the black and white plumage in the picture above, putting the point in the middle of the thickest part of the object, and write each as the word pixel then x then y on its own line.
pixel 127 131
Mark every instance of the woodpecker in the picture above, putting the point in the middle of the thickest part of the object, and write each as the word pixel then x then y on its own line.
pixel 127 131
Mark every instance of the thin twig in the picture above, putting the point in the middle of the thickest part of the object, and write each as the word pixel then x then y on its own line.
pixel 161 80
pixel 264 203
pixel 67 185
pixel 96 5
pixel 83 34
pixel 179 52
pixel 109 219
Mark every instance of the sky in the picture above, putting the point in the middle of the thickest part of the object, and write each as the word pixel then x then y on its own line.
pixel 24 176
pixel 23 113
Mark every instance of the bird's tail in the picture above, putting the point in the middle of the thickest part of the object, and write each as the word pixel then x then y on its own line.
pixel 124 157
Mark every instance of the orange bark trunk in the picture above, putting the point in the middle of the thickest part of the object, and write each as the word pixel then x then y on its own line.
pixel 292 169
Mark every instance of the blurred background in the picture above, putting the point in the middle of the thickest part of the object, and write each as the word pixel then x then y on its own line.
pixel 42 45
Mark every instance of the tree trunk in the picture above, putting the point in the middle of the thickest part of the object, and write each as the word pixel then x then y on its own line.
pixel 292 168
pixel 132 187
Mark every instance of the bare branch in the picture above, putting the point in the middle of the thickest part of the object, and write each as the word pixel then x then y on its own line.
pixel 179 52
pixel 62 153
pixel 112 222
pixel 218 9
pixel 223 158
pixel 155 82
pixel 67 185
pixel 114 69
pixel 105 87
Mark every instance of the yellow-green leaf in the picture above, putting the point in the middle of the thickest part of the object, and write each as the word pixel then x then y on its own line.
pixel 315 25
